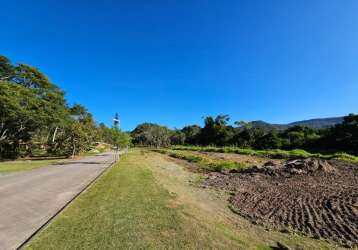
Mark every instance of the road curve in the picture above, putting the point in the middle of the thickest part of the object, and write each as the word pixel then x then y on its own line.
pixel 30 199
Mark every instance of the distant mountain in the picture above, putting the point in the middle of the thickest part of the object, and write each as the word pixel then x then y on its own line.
pixel 319 123
pixel 312 123
pixel 266 125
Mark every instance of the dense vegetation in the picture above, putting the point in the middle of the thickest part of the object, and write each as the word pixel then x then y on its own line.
pixel 34 116
pixel 217 132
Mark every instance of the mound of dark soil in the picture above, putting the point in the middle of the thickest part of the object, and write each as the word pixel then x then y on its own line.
pixel 305 166
pixel 293 167
pixel 315 197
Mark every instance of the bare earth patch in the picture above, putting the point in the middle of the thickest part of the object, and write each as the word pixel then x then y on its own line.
pixel 317 198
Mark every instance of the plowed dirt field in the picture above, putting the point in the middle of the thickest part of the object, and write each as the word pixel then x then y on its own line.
pixel 319 203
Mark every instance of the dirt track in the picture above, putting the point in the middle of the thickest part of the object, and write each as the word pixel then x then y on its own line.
pixel 321 204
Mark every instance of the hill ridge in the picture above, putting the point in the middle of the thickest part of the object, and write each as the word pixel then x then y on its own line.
pixel 317 123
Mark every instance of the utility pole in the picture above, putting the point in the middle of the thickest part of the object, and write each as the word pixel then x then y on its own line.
pixel 116 121
pixel 116 125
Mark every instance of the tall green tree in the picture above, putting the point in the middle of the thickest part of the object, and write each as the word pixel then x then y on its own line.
pixel 343 137
pixel 150 134
pixel 216 131
pixel 34 113
pixel 270 140
pixel 6 69
pixel 191 134
pixel 177 137
pixel 22 114
pixel 78 133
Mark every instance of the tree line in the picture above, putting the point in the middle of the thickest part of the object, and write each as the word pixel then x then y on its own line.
pixel 35 116
pixel 217 132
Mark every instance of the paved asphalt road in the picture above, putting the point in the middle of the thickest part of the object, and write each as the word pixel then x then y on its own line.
pixel 29 199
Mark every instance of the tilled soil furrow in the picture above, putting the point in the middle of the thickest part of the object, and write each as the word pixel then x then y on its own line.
pixel 273 213
pixel 320 203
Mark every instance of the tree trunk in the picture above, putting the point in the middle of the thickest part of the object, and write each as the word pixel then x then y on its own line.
pixel 74 150
pixel 54 135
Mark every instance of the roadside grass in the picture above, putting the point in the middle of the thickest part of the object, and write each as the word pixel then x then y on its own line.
pixel 38 161
pixel 205 163
pixel 274 153
pixel 126 209
pixel 210 207
pixel 147 202
pixel 25 165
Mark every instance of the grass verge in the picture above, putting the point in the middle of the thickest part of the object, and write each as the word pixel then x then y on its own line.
pixel 274 153
pixel 205 163
pixel 24 165
pixel 125 209
pixel 147 202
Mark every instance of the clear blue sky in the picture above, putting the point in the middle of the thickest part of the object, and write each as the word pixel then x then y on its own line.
pixel 173 62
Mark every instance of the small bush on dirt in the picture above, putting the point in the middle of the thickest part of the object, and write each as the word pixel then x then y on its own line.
pixel 162 151
pixel 190 158
pixel 300 153
pixel 344 157
pixel 225 165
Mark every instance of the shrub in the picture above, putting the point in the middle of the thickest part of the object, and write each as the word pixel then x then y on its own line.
pixel 225 165
pixel 192 158
pixel 344 157
pixel 300 153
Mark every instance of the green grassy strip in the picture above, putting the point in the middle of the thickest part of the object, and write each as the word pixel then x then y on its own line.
pixel 126 209
pixel 204 162
pixel 274 153
pixel 25 165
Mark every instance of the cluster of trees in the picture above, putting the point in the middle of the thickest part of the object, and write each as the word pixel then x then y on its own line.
pixel 217 131
pixel 113 135
pixel 34 115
